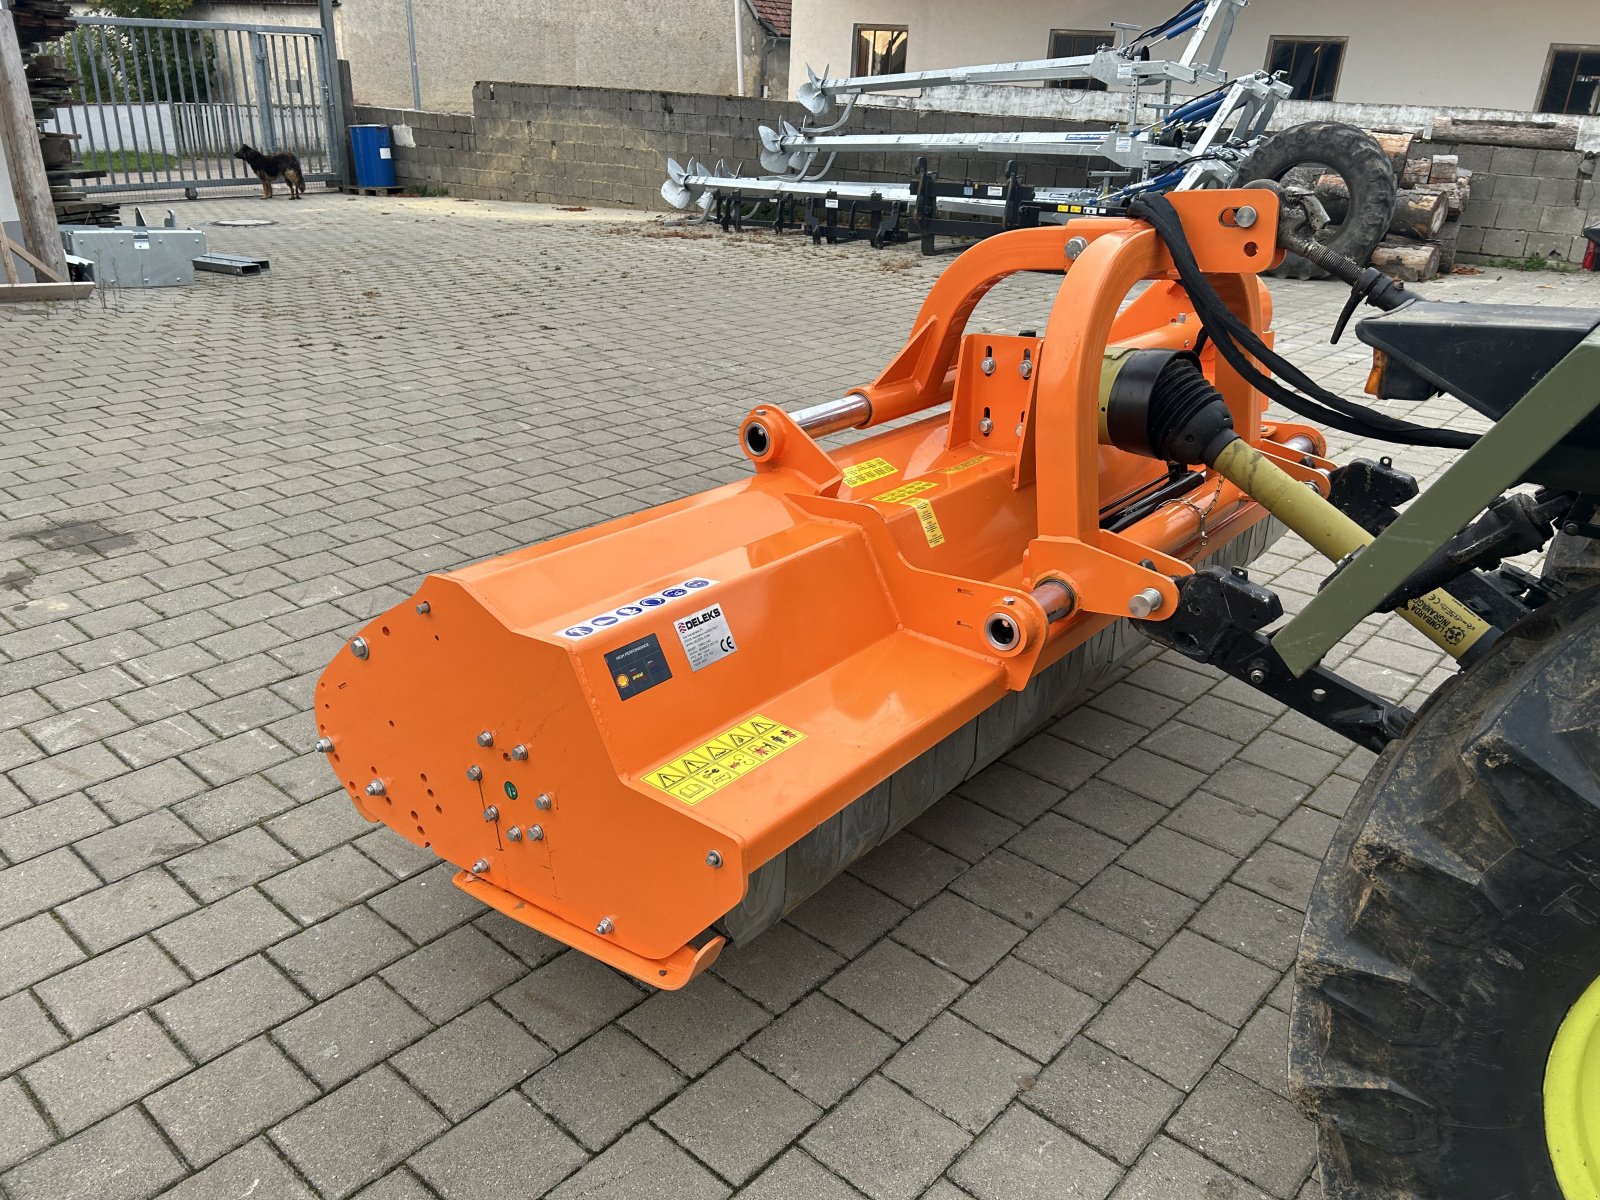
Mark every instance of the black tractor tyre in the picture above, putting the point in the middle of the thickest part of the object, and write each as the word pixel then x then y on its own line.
pixel 1367 172
pixel 1454 923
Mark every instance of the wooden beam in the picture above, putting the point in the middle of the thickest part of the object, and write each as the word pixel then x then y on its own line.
pixel 19 140
pixel 17 293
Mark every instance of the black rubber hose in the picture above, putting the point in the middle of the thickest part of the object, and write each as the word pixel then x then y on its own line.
pixel 1229 332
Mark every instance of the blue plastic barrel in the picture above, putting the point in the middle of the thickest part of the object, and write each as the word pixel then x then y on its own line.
pixel 373 154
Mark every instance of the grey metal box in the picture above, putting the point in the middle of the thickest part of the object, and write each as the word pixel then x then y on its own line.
pixel 137 258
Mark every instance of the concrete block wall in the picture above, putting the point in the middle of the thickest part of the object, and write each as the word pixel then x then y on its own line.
pixel 1526 203
pixel 606 146
pixel 431 149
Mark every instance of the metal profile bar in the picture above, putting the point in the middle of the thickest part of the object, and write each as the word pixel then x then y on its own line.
pixel 1534 426
pixel 183 53
pixel 156 23
pixel 147 69
pixel 96 62
pixel 191 45
pixel 1107 66
pixel 125 107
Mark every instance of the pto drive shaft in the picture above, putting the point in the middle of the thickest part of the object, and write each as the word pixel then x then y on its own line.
pixel 1161 405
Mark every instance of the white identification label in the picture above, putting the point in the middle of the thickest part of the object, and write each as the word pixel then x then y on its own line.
pixel 385 152
pixel 1124 145
pixel 1125 71
pixel 705 636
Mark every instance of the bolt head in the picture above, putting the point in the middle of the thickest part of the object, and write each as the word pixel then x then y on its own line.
pixel 486 739
pixel 481 867
pixel 542 801
pixel 713 859
pixel 474 773
pixel 520 753
pixel 359 647
pixel 514 834
pixel 1257 676
pixel 605 927
pixel 536 833
pixel 424 608
pixel 987 366
pixel 491 813
pixel 376 788
pixel 324 744
pixel 1025 368
pixel 1076 246
pixel 1244 216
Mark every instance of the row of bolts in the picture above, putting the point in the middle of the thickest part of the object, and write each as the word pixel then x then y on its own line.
pixel 535 833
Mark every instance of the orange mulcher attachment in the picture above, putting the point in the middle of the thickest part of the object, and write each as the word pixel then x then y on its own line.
pixel 660 734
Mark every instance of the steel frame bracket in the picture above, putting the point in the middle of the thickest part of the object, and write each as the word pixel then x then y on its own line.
pixel 1533 427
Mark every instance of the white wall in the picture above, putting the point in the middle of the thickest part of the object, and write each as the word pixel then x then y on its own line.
pixel 1474 55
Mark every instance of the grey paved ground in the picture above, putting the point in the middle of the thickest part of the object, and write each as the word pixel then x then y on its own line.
pixel 1067 980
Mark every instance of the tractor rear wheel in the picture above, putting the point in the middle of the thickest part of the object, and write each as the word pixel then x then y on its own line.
pixel 1454 933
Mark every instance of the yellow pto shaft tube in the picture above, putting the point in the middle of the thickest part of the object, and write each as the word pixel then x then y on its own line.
pixel 1442 619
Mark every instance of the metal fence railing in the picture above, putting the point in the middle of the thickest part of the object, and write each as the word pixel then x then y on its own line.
pixel 161 106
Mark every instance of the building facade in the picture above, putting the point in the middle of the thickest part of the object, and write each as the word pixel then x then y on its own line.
pixel 1514 58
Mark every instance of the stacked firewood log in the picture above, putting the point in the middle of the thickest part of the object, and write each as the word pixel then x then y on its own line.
pixel 1432 192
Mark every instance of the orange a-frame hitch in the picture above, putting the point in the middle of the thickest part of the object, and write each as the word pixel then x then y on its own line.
pixel 659 734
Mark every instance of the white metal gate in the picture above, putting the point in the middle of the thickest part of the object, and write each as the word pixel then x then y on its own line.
pixel 161 106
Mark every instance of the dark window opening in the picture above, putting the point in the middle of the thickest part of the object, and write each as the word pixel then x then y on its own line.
pixel 880 50
pixel 1572 81
pixel 1071 43
pixel 1310 65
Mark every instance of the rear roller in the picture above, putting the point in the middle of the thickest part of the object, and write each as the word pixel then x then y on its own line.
pixel 1446 1026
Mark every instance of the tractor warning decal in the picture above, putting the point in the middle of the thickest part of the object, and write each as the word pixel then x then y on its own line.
pixel 964 465
pixel 723 759
pixel 866 472
pixel 627 612
pixel 906 494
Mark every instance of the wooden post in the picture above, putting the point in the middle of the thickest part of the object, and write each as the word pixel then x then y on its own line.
pixel 19 139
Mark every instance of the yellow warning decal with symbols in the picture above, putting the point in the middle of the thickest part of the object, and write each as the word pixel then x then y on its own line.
pixel 866 472
pixel 907 494
pixel 723 759
pixel 964 465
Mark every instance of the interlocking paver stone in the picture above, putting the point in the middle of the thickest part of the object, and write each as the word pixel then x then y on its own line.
pixel 736 1118
pixel 110 986
pixel 229 1100
pixel 472 1059
pixel 122 1158
pixel 1021 1156
pixel 1107 1101
pixel 357 1028
pixel 961 1071
pixel 887 1143
pixel 353 1135
pixel 96 1076
pixel 895 988
pixel 600 1088
pixel 253 1170
pixel 193 541
pixel 510 1140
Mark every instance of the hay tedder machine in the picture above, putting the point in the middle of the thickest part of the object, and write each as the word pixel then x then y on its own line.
pixel 653 738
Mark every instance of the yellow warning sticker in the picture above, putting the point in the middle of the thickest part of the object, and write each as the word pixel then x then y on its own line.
pixel 930 522
pixel 723 759
pixel 866 472
pixel 907 494
pixel 965 465
pixel 900 494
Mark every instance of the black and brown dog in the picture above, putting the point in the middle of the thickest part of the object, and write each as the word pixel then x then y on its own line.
pixel 271 166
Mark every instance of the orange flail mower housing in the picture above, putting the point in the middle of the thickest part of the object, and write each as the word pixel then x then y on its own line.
pixel 658 735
